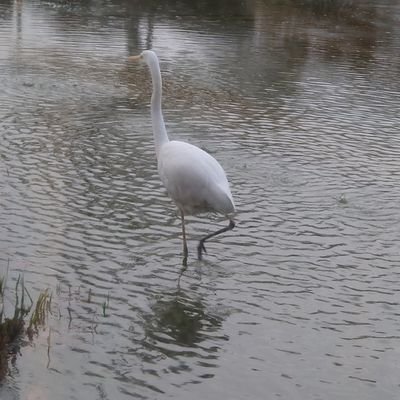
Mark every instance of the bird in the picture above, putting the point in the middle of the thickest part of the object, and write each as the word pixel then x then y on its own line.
pixel 194 179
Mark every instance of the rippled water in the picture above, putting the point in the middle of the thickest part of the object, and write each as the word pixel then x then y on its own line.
pixel 299 103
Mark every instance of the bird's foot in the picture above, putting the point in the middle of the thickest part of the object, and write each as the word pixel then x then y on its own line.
pixel 200 249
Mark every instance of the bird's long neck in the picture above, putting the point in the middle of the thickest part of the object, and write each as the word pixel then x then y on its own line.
pixel 159 131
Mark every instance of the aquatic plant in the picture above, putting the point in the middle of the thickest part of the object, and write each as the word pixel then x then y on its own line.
pixel 12 329
pixel 39 314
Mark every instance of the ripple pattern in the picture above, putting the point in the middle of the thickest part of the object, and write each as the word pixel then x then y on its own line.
pixel 301 298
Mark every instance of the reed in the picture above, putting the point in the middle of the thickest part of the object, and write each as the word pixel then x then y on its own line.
pixel 12 328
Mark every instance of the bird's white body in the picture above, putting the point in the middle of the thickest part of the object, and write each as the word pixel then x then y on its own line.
pixel 194 179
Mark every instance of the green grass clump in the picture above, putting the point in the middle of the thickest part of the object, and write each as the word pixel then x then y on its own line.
pixel 13 328
pixel 38 316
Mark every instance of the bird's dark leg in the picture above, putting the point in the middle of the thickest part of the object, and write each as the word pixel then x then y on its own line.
pixel 185 248
pixel 201 247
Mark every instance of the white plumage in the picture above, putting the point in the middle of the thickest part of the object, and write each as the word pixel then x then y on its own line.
pixel 194 179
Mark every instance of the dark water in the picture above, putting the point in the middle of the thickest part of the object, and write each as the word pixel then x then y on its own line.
pixel 300 103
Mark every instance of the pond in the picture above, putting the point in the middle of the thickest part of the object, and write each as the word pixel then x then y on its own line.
pixel 300 103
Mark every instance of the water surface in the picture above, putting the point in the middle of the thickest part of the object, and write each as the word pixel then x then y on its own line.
pixel 299 103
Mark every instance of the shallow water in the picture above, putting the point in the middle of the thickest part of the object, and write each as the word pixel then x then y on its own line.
pixel 299 103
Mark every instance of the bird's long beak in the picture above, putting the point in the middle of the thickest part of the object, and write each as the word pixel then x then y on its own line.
pixel 134 58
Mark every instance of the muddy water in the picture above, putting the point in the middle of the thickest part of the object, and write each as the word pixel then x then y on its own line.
pixel 299 103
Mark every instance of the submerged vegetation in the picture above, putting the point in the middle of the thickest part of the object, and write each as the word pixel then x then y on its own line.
pixel 12 329
pixel 22 319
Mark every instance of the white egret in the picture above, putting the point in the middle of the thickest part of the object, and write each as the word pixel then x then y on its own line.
pixel 194 179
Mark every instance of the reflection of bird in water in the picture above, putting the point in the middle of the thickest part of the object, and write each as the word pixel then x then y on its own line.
pixel 193 178
pixel 183 319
